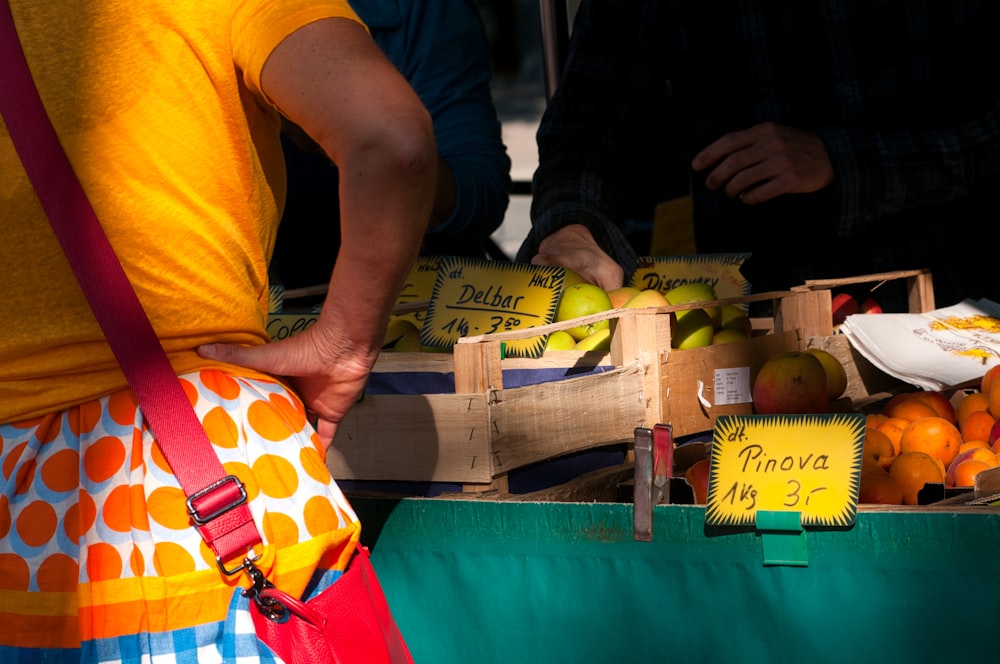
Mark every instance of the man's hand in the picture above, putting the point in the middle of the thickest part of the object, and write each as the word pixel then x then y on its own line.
pixel 764 162
pixel 574 248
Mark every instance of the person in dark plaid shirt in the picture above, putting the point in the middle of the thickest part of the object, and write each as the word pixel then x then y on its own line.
pixel 829 138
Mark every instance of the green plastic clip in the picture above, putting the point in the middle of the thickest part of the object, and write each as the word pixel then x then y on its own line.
pixel 783 538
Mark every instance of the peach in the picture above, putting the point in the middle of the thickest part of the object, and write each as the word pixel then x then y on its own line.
pixel 619 296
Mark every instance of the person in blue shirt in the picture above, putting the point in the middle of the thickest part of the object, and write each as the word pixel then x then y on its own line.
pixel 441 47
pixel 828 139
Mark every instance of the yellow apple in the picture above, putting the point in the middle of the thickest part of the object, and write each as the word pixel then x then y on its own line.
pixel 583 300
pixel 599 340
pixel 647 298
pixel 836 376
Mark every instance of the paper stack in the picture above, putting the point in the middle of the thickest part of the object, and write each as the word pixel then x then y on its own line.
pixel 935 350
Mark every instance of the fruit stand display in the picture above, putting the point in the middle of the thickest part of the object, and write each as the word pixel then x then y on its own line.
pixel 562 574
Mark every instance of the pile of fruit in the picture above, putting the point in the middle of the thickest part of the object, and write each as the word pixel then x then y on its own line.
pixel 917 438
pixel 692 328
pixel 923 438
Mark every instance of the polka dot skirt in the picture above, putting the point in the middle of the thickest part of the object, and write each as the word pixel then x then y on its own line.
pixel 98 560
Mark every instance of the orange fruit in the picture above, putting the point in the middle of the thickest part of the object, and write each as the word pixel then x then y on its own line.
pixel 893 427
pixel 965 473
pixel 977 426
pixel 872 420
pixel 934 435
pixel 911 409
pixel 896 400
pixel 939 402
pixel 971 403
pixel 912 470
pixel 878 449
pixel 987 381
pixel 879 487
pixel 994 398
pixel 969 444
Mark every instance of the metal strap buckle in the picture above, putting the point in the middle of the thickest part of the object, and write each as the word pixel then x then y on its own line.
pixel 200 519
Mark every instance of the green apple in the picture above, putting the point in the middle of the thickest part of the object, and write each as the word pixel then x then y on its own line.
pixel 560 340
pixel 696 291
pixel 725 336
pixel 734 318
pixel 693 330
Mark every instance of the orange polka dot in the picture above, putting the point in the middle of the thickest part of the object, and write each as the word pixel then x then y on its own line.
pixel 14 572
pixel 49 428
pixel 220 428
pixel 36 524
pixel 267 422
pixel 122 407
pixel 170 558
pixel 317 443
pixel 159 460
pixel 320 516
pixel 80 518
pixel 25 477
pixel 292 411
pixel 167 507
pixel 103 458
pixel 277 476
pixel 85 417
pixel 314 466
pixel 115 513
pixel 136 562
pixel 137 506
pixel 58 574
pixel 4 516
pixel 61 471
pixel 1 445
pixel 242 471
pixel 221 384
pixel 190 390
pixel 11 459
pixel 103 562
pixel 280 529
pixel 30 423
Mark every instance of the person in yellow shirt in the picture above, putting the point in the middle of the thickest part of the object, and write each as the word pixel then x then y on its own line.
pixel 170 116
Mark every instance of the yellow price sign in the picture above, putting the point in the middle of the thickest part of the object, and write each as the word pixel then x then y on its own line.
pixel 419 287
pixel 473 296
pixel 809 464
pixel 721 271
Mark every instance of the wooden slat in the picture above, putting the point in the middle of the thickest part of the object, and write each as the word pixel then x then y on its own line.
pixel 547 420
pixel 435 437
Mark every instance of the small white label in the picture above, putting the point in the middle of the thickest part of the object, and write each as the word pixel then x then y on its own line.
pixel 732 386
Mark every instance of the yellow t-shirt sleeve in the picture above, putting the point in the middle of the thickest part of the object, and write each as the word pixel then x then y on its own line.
pixel 259 26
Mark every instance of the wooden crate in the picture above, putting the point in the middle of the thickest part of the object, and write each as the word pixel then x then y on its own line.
pixel 475 435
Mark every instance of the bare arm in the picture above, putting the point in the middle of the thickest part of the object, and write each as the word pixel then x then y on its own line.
pixel 330 79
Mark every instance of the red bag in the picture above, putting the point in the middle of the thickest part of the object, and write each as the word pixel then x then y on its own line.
pixel 348 622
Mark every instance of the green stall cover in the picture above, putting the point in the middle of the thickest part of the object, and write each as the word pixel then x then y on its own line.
pixel 481 582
